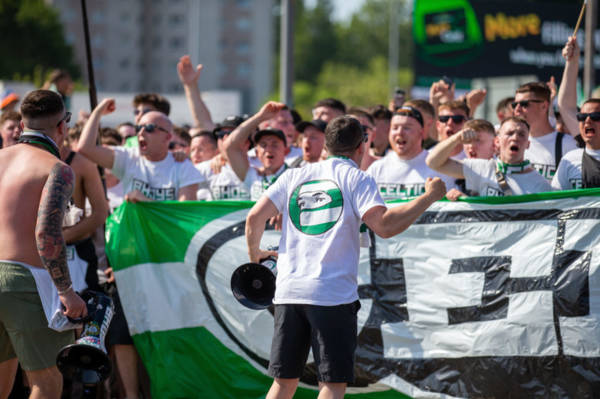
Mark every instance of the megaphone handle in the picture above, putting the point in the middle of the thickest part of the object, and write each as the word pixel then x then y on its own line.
pixel 79 320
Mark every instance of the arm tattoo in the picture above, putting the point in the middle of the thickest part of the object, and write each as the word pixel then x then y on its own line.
pixel 48 231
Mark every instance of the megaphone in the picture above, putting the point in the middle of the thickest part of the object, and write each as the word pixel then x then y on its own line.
pixel 253 284
pixel 86 360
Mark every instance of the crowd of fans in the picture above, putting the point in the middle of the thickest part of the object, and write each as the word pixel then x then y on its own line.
pixel 533 147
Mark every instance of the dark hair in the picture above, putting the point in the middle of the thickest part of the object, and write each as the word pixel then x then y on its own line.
pixel 515 119
pixel 120 125
pixel 591 101
pixel 295 116
pixel 209 135
pixel 539 89
pixel 454 105
pixel 480 125
pixel 343 135
pixel 154 99
pixel 331 103
pixel 504 103
pixel 110 136
pixel 10 116
pixel 423 106
pixel 41 104
pixel 381 112
pixel 56 75
pixel 360 111
pixel 183 134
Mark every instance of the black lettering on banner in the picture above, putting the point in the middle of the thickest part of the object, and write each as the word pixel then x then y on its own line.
pixel 494 300
pixel 488 376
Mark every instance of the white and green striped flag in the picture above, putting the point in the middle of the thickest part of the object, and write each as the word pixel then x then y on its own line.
pixel 493 297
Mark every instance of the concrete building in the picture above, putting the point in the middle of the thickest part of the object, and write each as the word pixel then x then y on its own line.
pixel 136 44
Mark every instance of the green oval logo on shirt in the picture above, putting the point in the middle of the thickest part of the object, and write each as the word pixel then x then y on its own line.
pixel 316 206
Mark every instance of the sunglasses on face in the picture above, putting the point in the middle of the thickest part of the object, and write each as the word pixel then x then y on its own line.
pixel 137 112
pixel 524 103
pixel 455 118
pixel 149 128
pixel 595 116
pixel 66 119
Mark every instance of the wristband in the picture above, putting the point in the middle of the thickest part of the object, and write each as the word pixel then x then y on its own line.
pixel 63 292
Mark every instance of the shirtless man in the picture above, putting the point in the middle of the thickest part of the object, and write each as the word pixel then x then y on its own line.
pixel 35 187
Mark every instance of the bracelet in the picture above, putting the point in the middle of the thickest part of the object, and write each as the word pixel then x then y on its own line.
pixel 69 288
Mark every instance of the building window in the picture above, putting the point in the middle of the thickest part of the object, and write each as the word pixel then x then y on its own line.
pixel 243 23
pixel 124 63
pixel 242 48
pixel 98 17
pixel 176 42
pixel 175 19
pixel 243 70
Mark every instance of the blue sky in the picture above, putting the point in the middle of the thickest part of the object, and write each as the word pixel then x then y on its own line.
pixel 343 8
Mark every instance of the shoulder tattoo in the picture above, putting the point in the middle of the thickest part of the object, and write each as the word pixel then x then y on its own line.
pixel 48 232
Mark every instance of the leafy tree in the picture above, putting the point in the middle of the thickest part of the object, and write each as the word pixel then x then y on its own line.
pixel 32 39
pixel 315 40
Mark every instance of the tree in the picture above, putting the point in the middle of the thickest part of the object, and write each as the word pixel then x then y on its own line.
pixel 315 40
pixel 32 38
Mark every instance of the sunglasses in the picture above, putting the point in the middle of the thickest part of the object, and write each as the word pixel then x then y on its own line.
pixel 524 103
pixel 595 116
pixel 149 127
pixel 137 112
pixel 66 119
pixel 455 118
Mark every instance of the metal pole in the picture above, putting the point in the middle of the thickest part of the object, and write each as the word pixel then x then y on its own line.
pixel 286 67
pixel 393 46
pixel 88 53
pixel 589 78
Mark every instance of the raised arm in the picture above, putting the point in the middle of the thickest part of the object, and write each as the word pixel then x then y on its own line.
pixel 87 144
pixel 474 99
pixel 256 220
pixel 49 238
pixel 567 93
pixel 387 222
pixel 234 146
pixel 189 78
pixel 439 156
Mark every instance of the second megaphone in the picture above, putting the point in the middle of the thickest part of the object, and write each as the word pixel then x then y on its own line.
pixel 253 284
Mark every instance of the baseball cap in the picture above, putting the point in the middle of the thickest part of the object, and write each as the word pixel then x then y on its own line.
pixel 318 124
pixel 8 97
pixel 270 132
pixel 407 110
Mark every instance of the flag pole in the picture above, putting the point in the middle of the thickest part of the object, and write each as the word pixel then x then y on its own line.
pixel 88 53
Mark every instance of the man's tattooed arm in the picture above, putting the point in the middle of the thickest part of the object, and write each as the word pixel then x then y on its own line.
pixel 48 231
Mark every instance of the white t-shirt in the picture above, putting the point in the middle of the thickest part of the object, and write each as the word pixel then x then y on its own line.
pixel 401 179
pixel 541 152
pixel 319 247
pixel 257 184
pixel 480 176
pixel 115 196
pixel 568 175
pixel 160 180
pixel 223 186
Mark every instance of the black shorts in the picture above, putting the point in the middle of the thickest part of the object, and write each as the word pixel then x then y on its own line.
pixel 329 330
pixel 118 332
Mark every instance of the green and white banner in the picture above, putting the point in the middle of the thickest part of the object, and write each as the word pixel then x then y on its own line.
pixel 492 298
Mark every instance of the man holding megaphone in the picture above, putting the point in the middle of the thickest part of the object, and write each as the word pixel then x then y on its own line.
pixel 316 299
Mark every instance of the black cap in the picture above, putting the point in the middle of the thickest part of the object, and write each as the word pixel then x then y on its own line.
pixel 316 123
pixel 270 132
pixel 407 110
